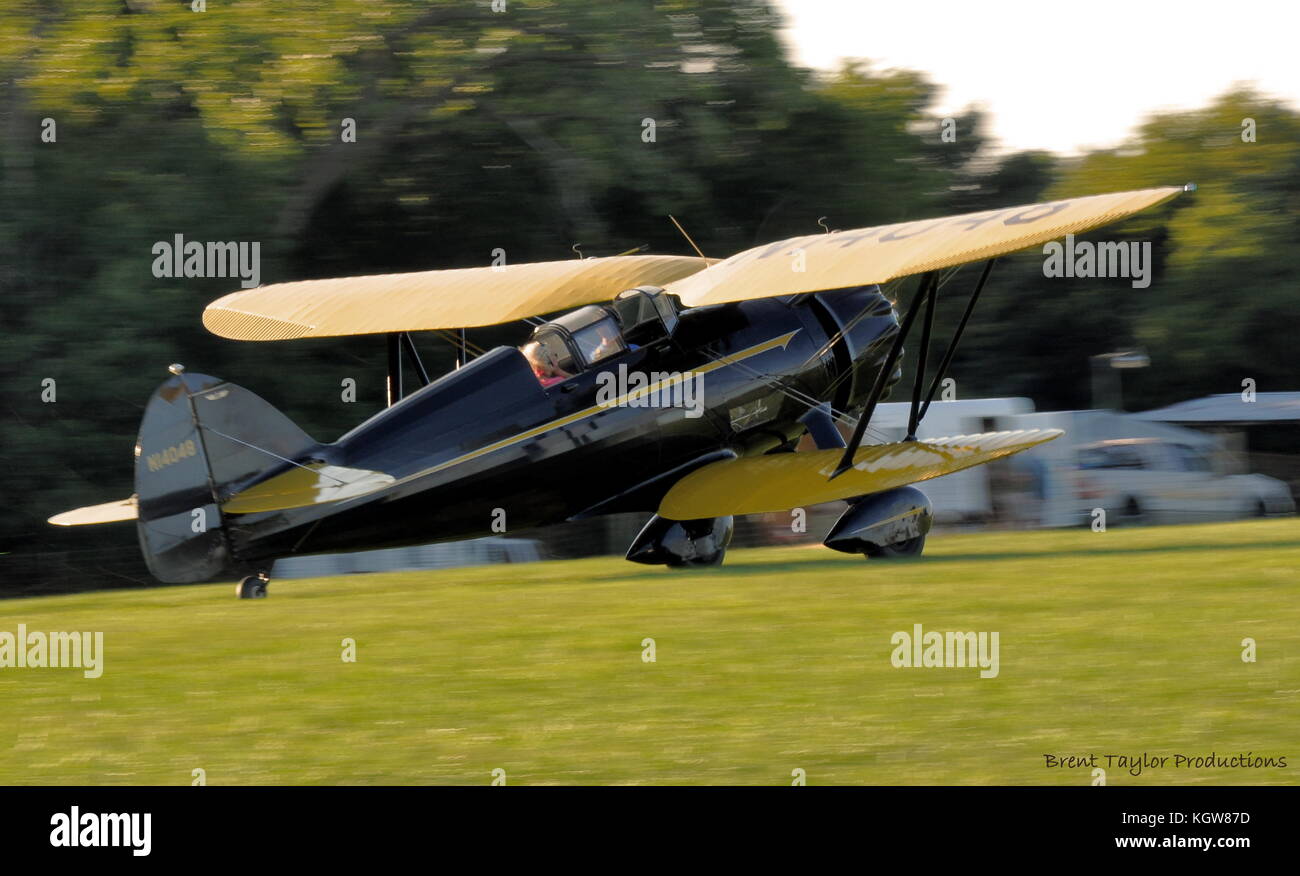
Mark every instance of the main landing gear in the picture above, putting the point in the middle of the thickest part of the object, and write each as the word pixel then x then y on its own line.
pixel 683 543
pixel 254 586
pixel 902 550
pixel 889 525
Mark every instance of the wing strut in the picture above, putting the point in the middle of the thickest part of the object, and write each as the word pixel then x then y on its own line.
pixel 929 294
pixel 414 356
pixel 394 368
pixel 399 343
pixel 402 344
pixel 929 283
pixel 912 419
pixel 956 337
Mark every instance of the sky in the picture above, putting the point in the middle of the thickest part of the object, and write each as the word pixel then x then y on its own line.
pixel 1061 76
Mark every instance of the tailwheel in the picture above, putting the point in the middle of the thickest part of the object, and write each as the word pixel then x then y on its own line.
pixel 253 587
pixel 910 548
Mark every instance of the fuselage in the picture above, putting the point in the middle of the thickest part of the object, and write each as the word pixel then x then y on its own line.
pixel 488 448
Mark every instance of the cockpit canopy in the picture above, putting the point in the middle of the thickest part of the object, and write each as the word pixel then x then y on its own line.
pixel 570 344
pixel 647 314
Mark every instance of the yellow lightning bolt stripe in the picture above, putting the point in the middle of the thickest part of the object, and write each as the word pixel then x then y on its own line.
pixel 293 496
pixel 781 341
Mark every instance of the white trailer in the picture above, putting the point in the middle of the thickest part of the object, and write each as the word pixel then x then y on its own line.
pixel 963 496
pixel 1039 487
pixel 1127 465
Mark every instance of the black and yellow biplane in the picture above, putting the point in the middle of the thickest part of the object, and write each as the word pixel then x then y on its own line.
pixel 774 342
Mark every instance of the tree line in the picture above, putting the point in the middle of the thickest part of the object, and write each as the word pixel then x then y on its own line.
pixel 353 137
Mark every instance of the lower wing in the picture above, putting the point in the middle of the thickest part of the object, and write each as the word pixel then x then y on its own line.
pixel 780 481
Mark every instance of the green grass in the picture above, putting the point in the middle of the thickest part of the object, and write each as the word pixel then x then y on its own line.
pixel 1121 642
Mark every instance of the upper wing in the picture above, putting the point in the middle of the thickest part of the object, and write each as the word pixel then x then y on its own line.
pixel 878 255
pixel 423 300
pixel 469 297
pixel 779 481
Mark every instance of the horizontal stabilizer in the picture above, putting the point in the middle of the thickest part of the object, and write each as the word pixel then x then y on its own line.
pixel 780 481
pixel 306 485
pixel 109 512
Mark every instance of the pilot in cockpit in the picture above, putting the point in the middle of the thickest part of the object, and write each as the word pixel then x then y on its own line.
pixel 564 347
pixel 602 340
pixel 544 363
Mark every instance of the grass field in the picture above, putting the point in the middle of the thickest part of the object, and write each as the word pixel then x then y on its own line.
pixel 1116 643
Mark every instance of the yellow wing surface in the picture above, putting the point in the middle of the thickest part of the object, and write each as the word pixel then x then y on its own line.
pixel 883 253
pixel 469 297
pixel 425 300
pixel 780 481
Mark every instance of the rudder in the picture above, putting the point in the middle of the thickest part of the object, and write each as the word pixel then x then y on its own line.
pixel 200 440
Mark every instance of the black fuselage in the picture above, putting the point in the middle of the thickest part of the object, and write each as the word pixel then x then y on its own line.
pixel 489 444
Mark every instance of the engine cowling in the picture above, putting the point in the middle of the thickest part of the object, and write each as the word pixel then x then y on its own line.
pixel 894 522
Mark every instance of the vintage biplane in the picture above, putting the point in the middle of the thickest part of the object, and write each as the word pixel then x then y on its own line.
pixel 781 340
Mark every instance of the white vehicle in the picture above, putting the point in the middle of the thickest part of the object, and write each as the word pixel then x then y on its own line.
pixel 1155 480
pixel 1137 470
pixel 964 495
pixel 447 555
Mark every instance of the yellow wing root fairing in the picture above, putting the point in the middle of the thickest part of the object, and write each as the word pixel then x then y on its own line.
pixel 306 485
pixel 780 481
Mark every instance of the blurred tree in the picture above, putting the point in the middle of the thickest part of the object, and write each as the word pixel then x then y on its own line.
pixel 529 131
pixel 1225 275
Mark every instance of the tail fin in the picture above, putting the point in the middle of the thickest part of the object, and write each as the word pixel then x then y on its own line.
pixel 200 440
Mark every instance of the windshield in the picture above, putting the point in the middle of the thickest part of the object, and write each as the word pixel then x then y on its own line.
pixel 599 340
pixel 594 331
